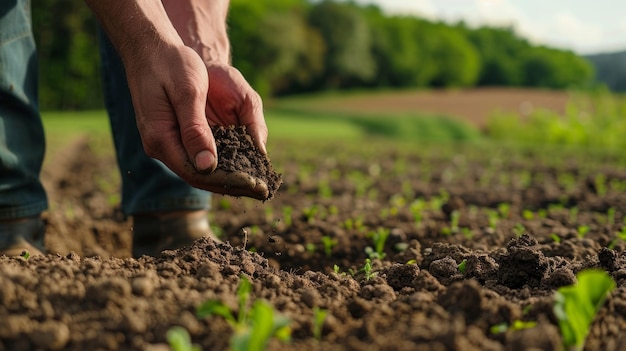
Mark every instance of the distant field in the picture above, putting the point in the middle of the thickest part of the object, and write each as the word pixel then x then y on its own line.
pixel 474 106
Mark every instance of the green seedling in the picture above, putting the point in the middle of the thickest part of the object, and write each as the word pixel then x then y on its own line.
pixel 528 215
pixel 610 216
pixel 573 214
pixel 576 305
pixel 504 210
pixel 324 190
pixel 555 238
pixel 329 243
pixel 379 237
pixel 265 323
pixel 582 230
pixel 467 233
pixel 310 213
pixel 454 221
pixel 319 317
pixel 333 210
pixel 287 215
pixel 621 235
pixel 600 184
pixel 253 327
pixel 519 230
pixel 368 271
pixel 310 248
pixel 224 204
pixel 25 254
pixel 542 213
pixel 515 326
pixel 492 216
pixel 417 208
pixel 462 267
pixel 179 340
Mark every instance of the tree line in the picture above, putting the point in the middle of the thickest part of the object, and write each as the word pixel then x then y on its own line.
pixel 294 46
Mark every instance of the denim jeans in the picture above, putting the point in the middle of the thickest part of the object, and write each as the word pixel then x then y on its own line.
pixel 148 186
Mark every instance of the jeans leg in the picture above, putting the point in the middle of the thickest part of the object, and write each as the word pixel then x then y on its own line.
pixel 22 140
pixel 147 184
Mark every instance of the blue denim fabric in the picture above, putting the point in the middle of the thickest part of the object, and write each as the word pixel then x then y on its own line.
pixel 22 142
pixel 147 184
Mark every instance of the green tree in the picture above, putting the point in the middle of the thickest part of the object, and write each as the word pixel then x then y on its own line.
pixel 65 33
pixel 348 59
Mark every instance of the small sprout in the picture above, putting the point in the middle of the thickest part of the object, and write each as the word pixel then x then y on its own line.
pixel 446 231
pixel 467 233
pixel 310 213
pixel 336 269
pixel 555 238
pixel 379 237
pixel 528 215
pixel 287 215
pixel 505 210
pixel 25 254
pixel 412 261
pixel 454 221
pixel 367 270
pixel 610 214
pixel 329 243
pixel 400 247
pixel 462 266
pixel 179 340
pixel 519 230
pixel 575 306
pixel 517 325
pixel 573 214
pixel 493 218
pixel 224 204
pixel 310 248
pixel 319 317
pixel 253 327
pixel 583 230
pixel 542 213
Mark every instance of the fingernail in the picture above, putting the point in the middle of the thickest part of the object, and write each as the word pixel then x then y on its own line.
pixel 204 161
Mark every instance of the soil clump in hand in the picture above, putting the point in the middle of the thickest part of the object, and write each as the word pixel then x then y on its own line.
pixel 236 152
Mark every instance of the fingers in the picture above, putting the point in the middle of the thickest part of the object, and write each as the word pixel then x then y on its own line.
pixel 257 128
pixel 189 101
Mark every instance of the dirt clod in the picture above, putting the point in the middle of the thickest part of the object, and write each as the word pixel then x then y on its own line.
pixel 237 153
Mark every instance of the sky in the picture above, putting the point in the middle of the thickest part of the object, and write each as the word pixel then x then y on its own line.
pixel 584 26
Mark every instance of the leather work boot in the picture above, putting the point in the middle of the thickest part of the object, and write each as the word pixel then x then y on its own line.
pixel 153 233
pixel 24 234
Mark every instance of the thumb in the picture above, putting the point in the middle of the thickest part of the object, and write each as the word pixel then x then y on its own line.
pixel 197 139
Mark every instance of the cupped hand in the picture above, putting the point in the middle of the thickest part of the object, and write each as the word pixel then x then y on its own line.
pixel 232 101
pixel 174 106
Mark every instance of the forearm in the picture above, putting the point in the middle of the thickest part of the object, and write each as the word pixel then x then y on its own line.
pixel 135 27
pixel 202 26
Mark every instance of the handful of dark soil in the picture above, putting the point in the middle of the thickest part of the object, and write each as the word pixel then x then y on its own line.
pixel 237 153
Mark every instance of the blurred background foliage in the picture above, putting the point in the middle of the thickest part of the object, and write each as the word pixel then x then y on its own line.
pixel 293 46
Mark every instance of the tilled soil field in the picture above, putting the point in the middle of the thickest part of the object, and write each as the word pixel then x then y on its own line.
pixel 522 222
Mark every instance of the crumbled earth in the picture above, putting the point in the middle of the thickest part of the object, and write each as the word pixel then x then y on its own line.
pixel 237 153
pixel 525 222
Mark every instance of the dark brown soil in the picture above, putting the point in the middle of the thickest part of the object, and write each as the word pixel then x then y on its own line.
pixel 237 153
pixel 519 213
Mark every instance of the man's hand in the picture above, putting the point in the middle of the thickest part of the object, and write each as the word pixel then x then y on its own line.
pixel 232 101
pixel 181 83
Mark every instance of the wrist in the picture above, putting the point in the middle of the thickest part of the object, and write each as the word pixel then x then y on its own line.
pixel 201 25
